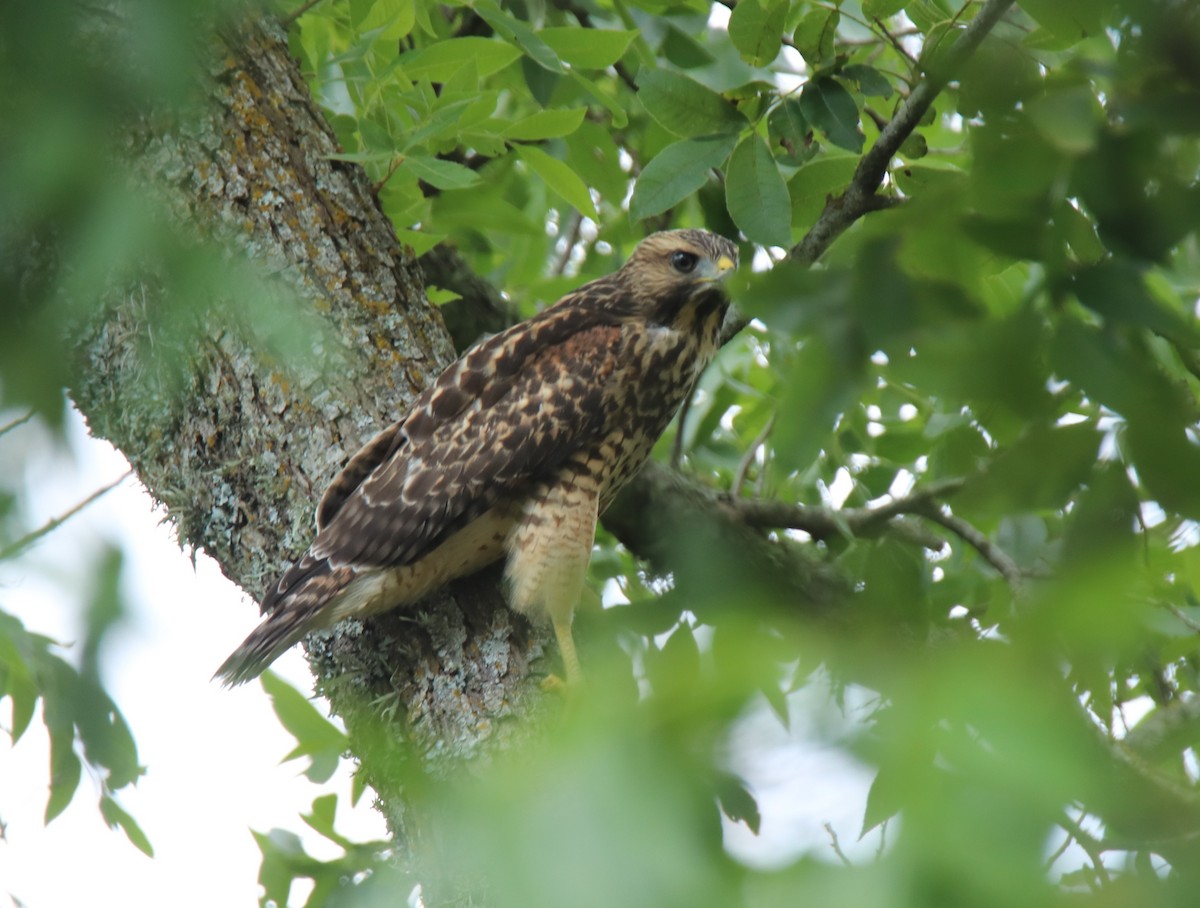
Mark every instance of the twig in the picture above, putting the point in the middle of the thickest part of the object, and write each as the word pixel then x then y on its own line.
pixel 393 166
pixel 992 553
pixel 571 238
pixel 1095 849
pixel 16 423
pixel 836 846
pixel 739 478
pixel 1182 616
pixel 894 40
pixel 860 196
pixel 299 11
pixel 30 538
pixel 684 410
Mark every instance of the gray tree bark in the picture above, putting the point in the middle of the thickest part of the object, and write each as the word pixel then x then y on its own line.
pixel 237 440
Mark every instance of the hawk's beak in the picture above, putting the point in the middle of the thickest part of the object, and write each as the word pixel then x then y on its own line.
pixel 715 271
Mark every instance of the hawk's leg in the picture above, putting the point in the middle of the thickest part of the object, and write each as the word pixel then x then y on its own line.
pixel 548 555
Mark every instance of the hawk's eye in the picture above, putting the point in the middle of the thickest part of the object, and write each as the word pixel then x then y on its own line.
pixel 684 262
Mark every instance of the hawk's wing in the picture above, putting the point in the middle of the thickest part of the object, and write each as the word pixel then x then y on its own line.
pixel 508 412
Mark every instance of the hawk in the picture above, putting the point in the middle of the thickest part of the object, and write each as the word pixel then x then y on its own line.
pixel 514 451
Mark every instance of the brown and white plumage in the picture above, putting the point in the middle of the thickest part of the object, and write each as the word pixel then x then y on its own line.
pixel 515 450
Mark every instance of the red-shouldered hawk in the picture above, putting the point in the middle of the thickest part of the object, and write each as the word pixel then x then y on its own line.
pixel 515 450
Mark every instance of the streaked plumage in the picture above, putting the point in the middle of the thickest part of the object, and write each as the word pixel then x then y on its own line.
pixel 515 450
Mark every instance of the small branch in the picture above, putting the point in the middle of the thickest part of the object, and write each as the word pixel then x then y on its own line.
pixel 837 848
pixel 894 40
pixel 684 410
pixel 30 538
pixel 992 553
pixel 860 196
pixel 743 469
pixel 16 423
pixel 393 166
pixel 1183 617
pixel 299 11
pixel 1095 849
pixel 822 523
pixel 571 238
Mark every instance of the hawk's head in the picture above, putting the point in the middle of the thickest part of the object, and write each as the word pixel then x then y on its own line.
pixel 672 268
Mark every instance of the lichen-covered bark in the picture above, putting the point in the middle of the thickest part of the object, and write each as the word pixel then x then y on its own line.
pixel 237 439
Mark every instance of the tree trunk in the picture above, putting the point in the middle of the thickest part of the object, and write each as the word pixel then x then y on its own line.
pixel 237 435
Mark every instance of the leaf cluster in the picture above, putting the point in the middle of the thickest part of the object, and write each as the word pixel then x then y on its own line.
pixel 1019 316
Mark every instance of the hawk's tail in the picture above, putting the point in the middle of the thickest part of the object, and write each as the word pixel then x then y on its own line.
pixel 297 605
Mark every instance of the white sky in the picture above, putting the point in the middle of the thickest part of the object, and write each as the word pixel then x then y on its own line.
pixel 213 755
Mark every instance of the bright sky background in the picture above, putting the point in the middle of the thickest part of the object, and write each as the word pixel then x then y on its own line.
pixel 212 755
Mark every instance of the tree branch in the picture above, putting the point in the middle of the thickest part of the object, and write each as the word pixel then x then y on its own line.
pixel 860 197
pixel 11 551
pixel 823 523
pixel 992 553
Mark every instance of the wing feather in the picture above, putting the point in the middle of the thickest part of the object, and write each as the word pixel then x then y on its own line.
pixel 511 410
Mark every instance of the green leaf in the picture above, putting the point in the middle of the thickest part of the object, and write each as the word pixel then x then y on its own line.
pixel 316 736
pixel 884 799
pixel 1120 377
pixel 756 30
pixel 673 670
pixel 393 18
pixel 420 241
pixel 16 682
pixel 815 182
pixel 595 157
pixel 685 51
pixel 321 818
pixel 756 194
pixel 546 124
pixel 819 387
pixel 588 48
pixel 65 770
pixel 439 296
pixel 685 107
pixel 737 803
pixel 830 107
pixel 1117 290
pixel 814 36
pixel 446 119
pixel 559 177
pixel 615 108
pixel 871 82
pixel 1038 472
pixel 1167 463
pixel 1070 119
pixel 881 9
pixel 791 138
pixel 439 174
pixel 520 34
pixel 115 817
pixel 440 61
pixel 1068 19
pixel 676 172
pixel 1080 233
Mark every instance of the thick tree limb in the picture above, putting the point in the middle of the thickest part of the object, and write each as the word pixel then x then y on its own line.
pixel 237 442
